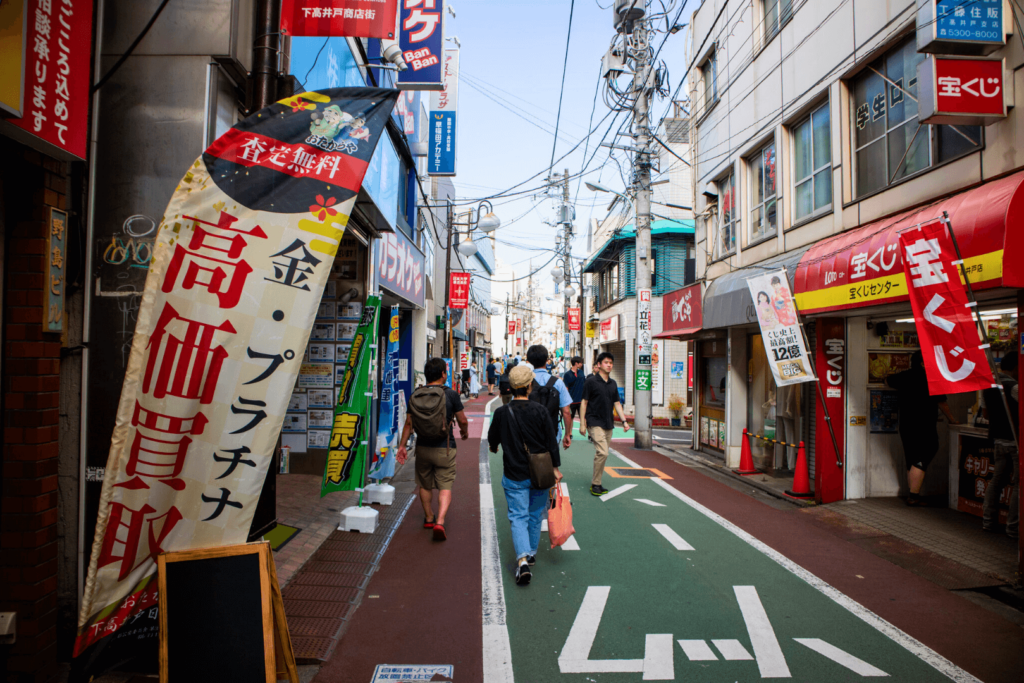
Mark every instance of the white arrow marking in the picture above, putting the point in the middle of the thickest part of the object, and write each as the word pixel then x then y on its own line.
pixel 657 664
pixel 649 502
pixel 622 489
pixel 697 651
pixel 732 650
pixel 770 659
pixel 855 665
pixel 570 543
pixel 672 537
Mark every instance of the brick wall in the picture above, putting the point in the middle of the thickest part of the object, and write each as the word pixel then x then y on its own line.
pixel 31 396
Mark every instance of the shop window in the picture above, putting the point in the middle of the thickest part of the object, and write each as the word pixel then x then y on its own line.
pixel 772 412
pixel 764 212
pixel 727 216
pixel 890 143
pixel 812 164
pixel 709 75
pixel 714 382
pixel 776 14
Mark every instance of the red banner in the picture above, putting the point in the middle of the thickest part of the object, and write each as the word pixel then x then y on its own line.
pixel 953 357
pixel 459 291
pixel 347 18
pixel 512 327
pixel 574 320
pixel 59 40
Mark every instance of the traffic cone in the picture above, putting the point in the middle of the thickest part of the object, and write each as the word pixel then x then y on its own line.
pixel 801 479
pixel 746 459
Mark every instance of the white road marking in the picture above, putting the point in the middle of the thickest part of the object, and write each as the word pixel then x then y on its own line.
pixel 732 650
pixel 497 648
pixel 840 657
pixel 649 502
pixel 615 492
pixel 544 525
pixel 770 659
pixel 672 537
pixel 697 651
pixel 668 438
pixel 570 544
pixel 914 646
pixel 659 663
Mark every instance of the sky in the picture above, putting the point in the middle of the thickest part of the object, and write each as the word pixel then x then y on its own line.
pixel 513 51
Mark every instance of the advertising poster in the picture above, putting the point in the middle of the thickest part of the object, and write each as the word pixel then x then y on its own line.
pixel 297 402
pixel 350 311
pixel 977 467
pixel 657 372
pixel 321 353
pixel 713 436
pixel 294 422
pixel 881 365
pixel 216 348
pixel 326 311
pixel 704 436
pixel 314 375
pixel 780 328
pixel 347 331
pixel 346 455
pixel 322 332
pixel 678 369
pixel 885 412
pixel 318 398
pixel 721 435
pixel 320 419
pixel 316 438
pixel 459 290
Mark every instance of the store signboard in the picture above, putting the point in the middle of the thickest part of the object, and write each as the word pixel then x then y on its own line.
pixel 780 328
pixel 401 267
pixel 14 20
pixel 961 90
pixel 346 18
pixel 830 361
pixel 962 27
pixel 592 330
pixel 609 330
pixel 681 311
pixel 953 359
pixel 56 259
pixel 458 290
pixel 976 466
pixel 444 106
pixel 421 38
pixel 56 85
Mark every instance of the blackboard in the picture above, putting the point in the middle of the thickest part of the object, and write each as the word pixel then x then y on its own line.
pixel 216 616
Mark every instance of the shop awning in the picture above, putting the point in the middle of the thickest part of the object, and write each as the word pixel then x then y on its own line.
pixel 628 232
pixel 727 301
pixel 862 267
pixel 460 335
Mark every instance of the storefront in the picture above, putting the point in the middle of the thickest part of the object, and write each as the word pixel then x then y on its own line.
pixel 854 283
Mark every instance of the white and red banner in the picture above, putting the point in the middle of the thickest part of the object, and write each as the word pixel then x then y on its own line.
pixel 953 356
pixel 459 290
pixel 512 327
pixel 574 319
pixel 344 18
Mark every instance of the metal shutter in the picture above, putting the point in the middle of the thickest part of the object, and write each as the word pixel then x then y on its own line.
pixel 810 403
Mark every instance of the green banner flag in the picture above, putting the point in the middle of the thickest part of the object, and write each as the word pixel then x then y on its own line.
pixel 346 457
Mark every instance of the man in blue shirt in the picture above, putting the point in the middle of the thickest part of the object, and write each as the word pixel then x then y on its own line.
pixel 537 356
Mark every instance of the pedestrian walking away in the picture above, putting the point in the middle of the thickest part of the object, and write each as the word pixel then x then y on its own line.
pixel 522 428
pixel 574 380
pixel 551 392
pixel 492 376
pixel 598 409
pixel 432 409
pixel 1007 455
pixel 474 382
pixel 918 419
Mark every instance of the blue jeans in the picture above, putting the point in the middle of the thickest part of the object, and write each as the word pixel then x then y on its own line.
pixel 526 508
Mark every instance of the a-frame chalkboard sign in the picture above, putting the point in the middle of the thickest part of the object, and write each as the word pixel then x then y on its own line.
pixel 222 617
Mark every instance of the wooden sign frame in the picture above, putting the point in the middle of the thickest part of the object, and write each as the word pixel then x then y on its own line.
pixel 279 657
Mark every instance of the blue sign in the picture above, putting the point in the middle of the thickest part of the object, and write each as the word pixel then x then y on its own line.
pixel 442 143
pixel 979 21
pixel 421 38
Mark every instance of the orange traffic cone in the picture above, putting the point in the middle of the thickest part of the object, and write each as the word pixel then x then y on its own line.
pixel 801 480
pixel 746 459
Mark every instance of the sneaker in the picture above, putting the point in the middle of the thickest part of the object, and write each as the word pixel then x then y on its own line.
pixel 531 560
pixel 523 574
pixel 598 490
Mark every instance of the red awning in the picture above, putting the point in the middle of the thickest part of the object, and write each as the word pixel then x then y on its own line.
pixel 862 267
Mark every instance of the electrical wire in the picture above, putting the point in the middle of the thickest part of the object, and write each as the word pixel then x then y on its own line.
pixel 561 93
pixel 131 48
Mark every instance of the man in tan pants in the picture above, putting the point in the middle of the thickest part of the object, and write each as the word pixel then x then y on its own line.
pixel 598 408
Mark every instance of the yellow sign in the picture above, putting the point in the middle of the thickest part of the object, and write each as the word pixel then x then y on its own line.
pixel 858 420
pixel 981 268
pixel 12 56
pixel 591 330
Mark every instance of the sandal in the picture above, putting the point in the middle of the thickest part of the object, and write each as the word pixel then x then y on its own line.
pixel 439 534
pixel 428 523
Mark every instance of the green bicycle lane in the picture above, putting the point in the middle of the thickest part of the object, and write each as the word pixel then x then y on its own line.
pixel 661 588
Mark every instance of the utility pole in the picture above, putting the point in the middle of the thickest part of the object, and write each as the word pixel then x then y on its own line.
pixel 567 224
pixel 642 438
pixel 449 218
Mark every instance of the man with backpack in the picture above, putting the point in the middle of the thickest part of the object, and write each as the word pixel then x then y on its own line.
pixel 551 393
pixel 432 409
pixel 574 380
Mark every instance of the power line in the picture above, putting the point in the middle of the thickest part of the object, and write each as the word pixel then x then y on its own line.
pixel 561 93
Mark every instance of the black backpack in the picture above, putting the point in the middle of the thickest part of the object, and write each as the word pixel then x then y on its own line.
pixel 504 387
pixel 548 397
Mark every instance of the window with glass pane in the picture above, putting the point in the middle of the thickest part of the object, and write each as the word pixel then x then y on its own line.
pixel 890 143
pixel 709 72
pixel 763 218
pixel 812 160
pixel 728 217
pixel 776 13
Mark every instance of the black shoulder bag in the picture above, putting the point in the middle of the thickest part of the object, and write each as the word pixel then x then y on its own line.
pixel 542 472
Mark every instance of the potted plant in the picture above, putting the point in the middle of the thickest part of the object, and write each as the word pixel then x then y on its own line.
pixel 675 406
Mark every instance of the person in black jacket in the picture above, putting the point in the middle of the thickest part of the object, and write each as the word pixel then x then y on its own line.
pixel 516 427
pixel 574 380
pixel 1007 457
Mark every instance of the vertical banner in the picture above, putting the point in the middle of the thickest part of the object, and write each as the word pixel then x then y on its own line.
pixel 57 78
pixel 382 464
pixel 831 364
pixel 346 455
pixel 450 370
pixel 239 266
pixel 658 372
pixel 953 356
pixel 780 328
pixel 459 290
pixel 643 333
pixel 574 319
pixel 511 328
pixel 342 18
pixel 421 39
pixel 444 107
